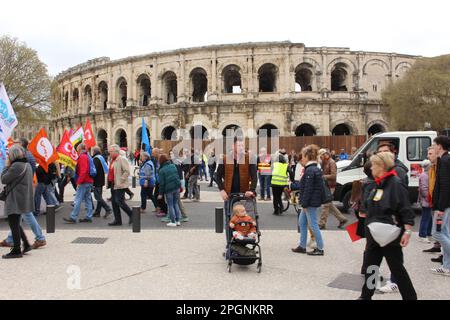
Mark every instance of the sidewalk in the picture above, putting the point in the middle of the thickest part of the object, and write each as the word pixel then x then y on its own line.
pixel 188 264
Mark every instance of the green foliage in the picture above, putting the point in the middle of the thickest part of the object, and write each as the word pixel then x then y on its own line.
pixel 421 96
pixel 26 79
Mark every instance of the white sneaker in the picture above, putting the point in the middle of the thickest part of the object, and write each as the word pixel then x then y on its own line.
pixel 312 244
pixel 424 240
pixel 389 287
pixel 178 223
pixel 441 271
pixel 431 239
pixel 171 224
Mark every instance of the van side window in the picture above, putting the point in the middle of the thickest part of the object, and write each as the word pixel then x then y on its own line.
pixel 417 148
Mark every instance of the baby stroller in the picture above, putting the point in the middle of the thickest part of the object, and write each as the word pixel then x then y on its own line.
pixel 246 251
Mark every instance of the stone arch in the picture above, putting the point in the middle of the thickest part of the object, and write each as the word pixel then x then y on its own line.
pixel 199 84
pixel 139 137
pixel 382 125
pixel 88 97
pixel 401 68
pixel 102 139
pixel 169 133
pixel 267 130
pixel 267 77
pixel 350 64
pixel 169 87
pixel 233 129
pixel 122 88
pixel 231 79
pixel 76 99
pixel 340 77
pixel 378 62
pixel 121 137
pixel 198 131
pixel 103 94
pixel 304 76
pixel 349 124
pixel 305 129
pixel 66 100
pixel 144 89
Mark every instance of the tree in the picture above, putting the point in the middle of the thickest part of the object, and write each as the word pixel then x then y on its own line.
pixel 421 96
pixel 26 79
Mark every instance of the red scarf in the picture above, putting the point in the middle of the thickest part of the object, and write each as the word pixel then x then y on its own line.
pixel 385 176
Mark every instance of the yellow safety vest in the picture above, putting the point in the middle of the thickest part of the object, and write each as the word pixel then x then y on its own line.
pixel 279 174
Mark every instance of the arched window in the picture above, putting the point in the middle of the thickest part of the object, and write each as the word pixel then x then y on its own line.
pixel 339 81
pixel 199 85
pixel 232 130
pixel 75 99
pixel 66 100
pixel 305 129
pixel 341 130
pixel 199 132
pixel 88 97
pixel 102 139
pixel 121 138
pixel 268 130
pixel 267 77
pixel 122 92
pixel 232 79
pixel 139 138
pixel 145 89
pixel 170 87
pixel 375 128
pixel 103 94
pixel 303 77
pixel 169 133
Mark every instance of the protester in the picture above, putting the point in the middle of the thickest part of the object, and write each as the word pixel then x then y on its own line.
pixel 212 165
pixel 67 175
pixel 123 154
pixel 264 174
pixel 203 165
pixel 137 155
pixel 169 186
pixel 390 200
pixel 17 176
pixel 194 188
pixel 441 202
pixel 99 182
pixel 30 158
pixel 146 180
pixel 329 169
pixel 334 156
pixel 279 180
pixel 186 165
pixel 43 187
pixel 119 171
pixel 311 186
pixel 426 220
pixel 84 186
pixel 343 155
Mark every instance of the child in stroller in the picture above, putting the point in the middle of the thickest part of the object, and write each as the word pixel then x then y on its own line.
pixel 242 232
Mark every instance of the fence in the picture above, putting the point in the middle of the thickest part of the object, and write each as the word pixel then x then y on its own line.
pixel 289 143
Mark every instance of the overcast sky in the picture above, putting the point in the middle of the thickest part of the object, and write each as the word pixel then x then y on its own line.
pixel 66 33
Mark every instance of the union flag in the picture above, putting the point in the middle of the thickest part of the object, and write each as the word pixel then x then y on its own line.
pixel 43 150
pixel 89 138
pixel 68 156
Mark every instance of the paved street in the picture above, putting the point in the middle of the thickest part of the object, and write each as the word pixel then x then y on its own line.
pixel 187 262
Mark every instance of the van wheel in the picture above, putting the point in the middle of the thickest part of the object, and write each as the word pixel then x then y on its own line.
pixel 346 201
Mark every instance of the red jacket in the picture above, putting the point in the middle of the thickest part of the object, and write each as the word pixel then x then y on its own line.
pixel 83 169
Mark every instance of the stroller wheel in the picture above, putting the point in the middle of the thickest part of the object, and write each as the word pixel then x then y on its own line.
pixel 258 268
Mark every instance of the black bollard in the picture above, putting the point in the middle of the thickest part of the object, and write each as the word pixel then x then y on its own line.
pixel 50 219
pixel 136 219
pixel 219 220
pixel 133 182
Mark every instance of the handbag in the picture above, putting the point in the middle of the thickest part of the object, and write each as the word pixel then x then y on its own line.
pixel 5 192
pixel 327 196
pixel 383 233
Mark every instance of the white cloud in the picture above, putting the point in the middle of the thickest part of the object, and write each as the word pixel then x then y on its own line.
pixel 66 33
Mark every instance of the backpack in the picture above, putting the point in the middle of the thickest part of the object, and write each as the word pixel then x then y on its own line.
pixel 326 196
pixel 92 169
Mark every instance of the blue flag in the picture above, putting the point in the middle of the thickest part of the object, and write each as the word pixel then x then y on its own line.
pixel 145 142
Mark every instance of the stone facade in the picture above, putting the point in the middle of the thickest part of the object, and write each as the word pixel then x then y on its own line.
pixel 295 89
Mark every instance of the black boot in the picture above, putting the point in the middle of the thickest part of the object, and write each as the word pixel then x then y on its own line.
pixel 26 248
pixel 364 265
pixel 13 254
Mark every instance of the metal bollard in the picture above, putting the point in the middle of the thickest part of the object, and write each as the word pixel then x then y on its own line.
pixel 50 219
pixel 136 219
pixel 133 182
pixel 219 220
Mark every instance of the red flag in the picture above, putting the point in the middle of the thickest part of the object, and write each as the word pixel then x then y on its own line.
pixel 351 229
pixel 10 142
pixel 66 152
pixel 43 150
pixel 89 139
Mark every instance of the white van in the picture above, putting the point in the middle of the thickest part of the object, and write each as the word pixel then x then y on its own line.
pixel 412 150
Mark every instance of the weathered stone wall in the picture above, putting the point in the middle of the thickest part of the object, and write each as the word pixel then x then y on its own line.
pixel 321 104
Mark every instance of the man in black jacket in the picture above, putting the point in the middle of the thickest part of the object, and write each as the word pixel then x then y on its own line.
pixel 99 183
pixel 441 202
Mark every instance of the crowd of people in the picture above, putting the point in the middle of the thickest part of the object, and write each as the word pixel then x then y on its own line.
pixel 380 198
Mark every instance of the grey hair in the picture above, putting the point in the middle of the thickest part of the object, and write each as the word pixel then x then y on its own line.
pixel 16 152
pixel 96 149
pixel 115 148
pixel 82 146
pixel 145 155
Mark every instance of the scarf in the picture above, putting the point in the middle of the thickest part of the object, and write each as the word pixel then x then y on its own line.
pixel 388 174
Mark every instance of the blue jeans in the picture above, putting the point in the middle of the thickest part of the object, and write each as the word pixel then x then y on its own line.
pixel 83 194
pixel 172 199
pixel 426 223
pixel 444 237
pixel 34 226
pixel 43 190
pixel 264 184
pixel 309 218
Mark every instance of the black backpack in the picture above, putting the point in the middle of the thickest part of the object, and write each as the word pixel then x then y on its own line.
pixel 327 197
